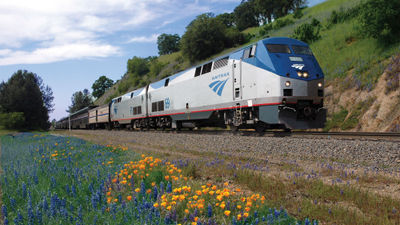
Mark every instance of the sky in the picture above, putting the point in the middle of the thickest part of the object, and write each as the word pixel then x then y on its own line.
pixel 71 43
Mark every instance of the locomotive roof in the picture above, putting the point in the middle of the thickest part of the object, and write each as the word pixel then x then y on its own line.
pixel 273 40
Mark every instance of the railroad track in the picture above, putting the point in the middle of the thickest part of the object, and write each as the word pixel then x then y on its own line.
pixel 347 135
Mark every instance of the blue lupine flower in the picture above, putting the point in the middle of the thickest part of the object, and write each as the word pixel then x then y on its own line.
pixel 24 192
pixel 169 187
pixel 155 193
pixel 4 211
pixel 161 188
pixel 142 188
pixel 209 210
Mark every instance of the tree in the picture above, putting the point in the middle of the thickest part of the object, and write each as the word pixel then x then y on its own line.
pixel 80 100
pixel 204 36
pixel 101 85
pixel 380 19
pixel 26 100
pixel 138 66
pixel 228 19
pixel 266 9
pixel 168 43
pixel 246 15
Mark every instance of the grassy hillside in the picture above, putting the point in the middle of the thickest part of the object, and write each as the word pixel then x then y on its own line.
pixel 341 51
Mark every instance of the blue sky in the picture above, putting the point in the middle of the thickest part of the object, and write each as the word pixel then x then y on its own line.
pixel 70 43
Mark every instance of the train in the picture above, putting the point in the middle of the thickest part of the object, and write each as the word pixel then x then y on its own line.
pixel 275 83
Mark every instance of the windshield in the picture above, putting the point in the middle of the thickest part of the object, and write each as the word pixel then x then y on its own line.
pixel 302 50
pixel 274 48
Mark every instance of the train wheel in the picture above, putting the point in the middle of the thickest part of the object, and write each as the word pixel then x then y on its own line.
pixel 234 128
pixel 260 128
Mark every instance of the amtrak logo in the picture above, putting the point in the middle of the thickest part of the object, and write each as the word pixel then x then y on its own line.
pixel 218 86
pixel 298 66
pixel 167 103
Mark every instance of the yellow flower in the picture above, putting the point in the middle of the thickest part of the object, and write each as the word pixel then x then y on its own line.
pixel 239 217
pixel 187 211
pixel 227 212
pixel 226 184
pixel 155 205
pixel 129 197
pixel 137 190
pixel 245 214
pixel 239 206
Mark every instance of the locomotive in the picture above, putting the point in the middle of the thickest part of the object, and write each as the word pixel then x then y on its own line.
pixel 275 83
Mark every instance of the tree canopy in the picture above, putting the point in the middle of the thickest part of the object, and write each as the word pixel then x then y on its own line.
pixel 207 35
pixel 168 43
pixel 80 100
pixel 25 98
pixel 101 85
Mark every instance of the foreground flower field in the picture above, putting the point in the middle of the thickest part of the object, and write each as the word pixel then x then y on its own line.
pixel 60 180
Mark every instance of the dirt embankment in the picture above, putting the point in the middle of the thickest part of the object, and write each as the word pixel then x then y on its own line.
pixel 376 110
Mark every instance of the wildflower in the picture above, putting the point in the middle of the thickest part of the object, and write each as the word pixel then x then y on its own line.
pixel 239 206
pixel 247 209
pixel 156 205
pixel 226 184
pixel 137 190
pixel 246 215
pixel 227 212
pixel 209 210
pixel 129 197
pixel 239 216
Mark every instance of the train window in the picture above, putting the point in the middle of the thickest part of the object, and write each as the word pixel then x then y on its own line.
pixel 198 71
pixel 132 95
pixel 274 48
pixel 166 82
pixel 119 99
pixel 302 50
pixel 220 63
pixel 206 68
pixel 154 107
pixel 139 110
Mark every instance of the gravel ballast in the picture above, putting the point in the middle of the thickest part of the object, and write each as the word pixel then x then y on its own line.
pixel 357 153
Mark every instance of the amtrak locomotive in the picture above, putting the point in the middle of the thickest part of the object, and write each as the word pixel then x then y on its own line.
pixel 274 83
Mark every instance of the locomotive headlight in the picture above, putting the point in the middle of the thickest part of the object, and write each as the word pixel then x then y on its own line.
pixel 320 84
pixel 305 74
pixel 287 83
pixel 299 74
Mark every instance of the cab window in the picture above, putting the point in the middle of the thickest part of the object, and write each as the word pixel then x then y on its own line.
pixel 302 50
pixel 276 48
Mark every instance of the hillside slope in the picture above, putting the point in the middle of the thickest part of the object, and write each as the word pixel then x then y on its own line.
pixel 358 70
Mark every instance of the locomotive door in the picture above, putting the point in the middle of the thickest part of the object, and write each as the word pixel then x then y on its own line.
pixel 237 79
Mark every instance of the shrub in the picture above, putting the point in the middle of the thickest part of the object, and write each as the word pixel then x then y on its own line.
pixel 279 23
pixel 13 120
pixel 380 19
pixel 298 14
pixel 336 120
pixel 265 29
pixel 308 32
